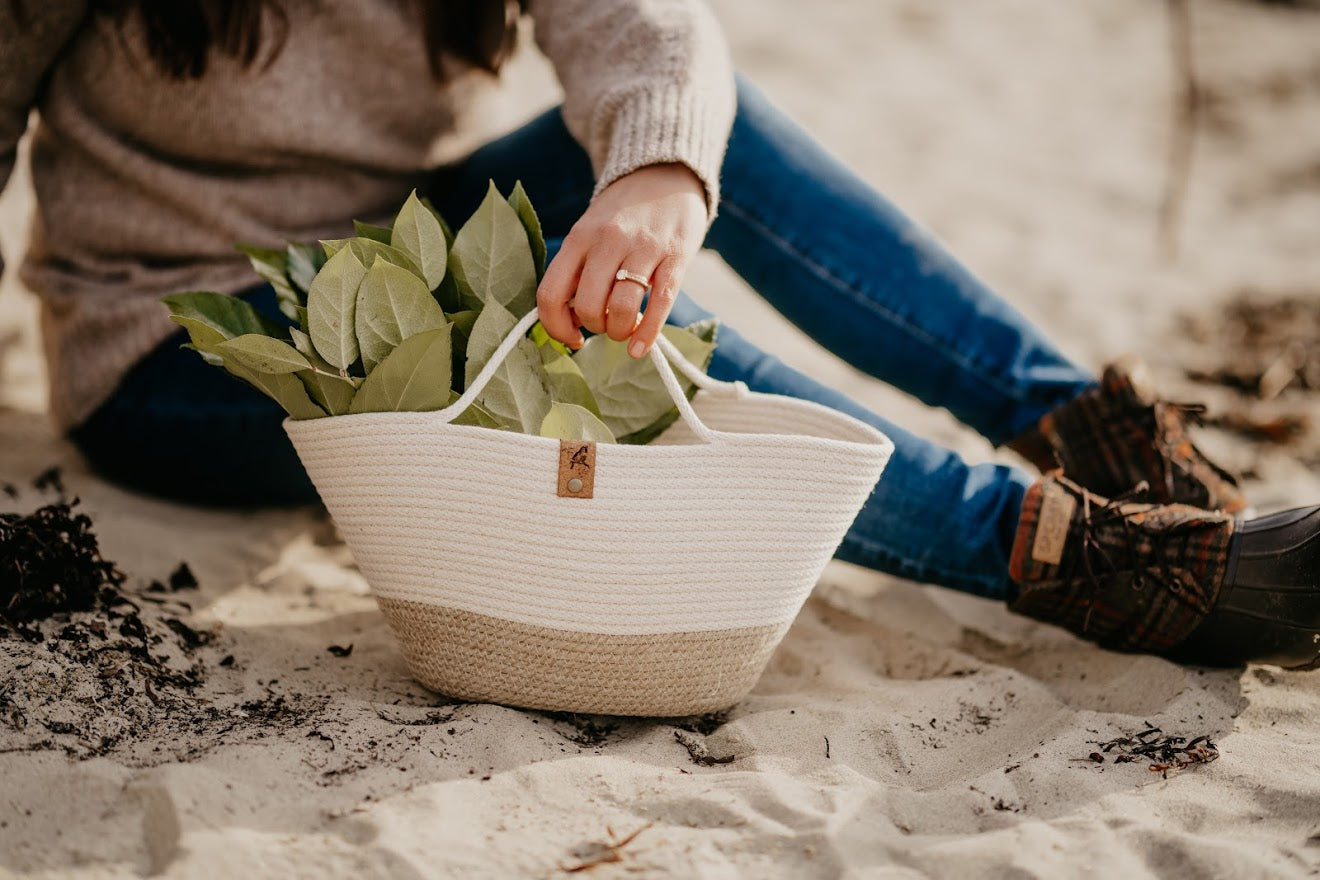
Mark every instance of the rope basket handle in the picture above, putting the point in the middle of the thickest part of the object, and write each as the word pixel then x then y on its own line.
pixel 662 354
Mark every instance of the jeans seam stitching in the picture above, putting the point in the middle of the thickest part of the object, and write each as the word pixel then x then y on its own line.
pixel 825 275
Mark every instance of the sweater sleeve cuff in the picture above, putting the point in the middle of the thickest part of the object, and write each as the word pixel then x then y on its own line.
pixel 670 124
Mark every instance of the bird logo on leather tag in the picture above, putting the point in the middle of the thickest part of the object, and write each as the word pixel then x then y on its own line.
pixel 577 468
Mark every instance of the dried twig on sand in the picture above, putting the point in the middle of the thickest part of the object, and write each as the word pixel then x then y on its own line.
pixel 602 852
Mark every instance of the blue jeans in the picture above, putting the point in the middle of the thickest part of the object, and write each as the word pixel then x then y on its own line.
pixel 818 243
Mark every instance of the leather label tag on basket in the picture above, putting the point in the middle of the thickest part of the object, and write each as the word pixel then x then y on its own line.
pixel 1056 512
pixel 577 468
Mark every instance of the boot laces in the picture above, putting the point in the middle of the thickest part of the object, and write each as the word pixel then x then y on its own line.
pixel 1097 519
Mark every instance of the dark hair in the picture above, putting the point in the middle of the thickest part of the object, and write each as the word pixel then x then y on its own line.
pixel 180 34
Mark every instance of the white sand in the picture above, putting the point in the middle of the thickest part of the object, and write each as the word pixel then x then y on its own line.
pixel 1031 136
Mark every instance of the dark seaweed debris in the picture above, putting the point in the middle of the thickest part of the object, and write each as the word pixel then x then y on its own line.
pixel 1164 752
pixel 1263 343
pixel 89 667
pixel 588 731
pixel 50 562
pixel 703 724
pixel 182 578
pixel 50 480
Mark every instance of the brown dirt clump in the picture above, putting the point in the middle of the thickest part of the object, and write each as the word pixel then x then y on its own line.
pixel 89 666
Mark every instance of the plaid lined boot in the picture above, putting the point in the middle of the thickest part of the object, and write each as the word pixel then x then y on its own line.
pixel 1170 579
pixel 1115 436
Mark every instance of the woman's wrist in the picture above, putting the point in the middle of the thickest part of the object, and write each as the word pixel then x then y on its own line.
pixel 668 177
pixel 636 239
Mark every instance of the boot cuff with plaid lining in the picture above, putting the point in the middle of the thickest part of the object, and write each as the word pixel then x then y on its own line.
pixel 1129 576
pixel 1119 434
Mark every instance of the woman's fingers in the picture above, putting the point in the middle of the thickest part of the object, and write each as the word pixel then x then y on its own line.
pixel 594 287
pixel 664 290
pixel 625 304
pixel 555 294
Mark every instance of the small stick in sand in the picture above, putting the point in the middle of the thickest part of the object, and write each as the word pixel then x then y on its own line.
pixel 603 852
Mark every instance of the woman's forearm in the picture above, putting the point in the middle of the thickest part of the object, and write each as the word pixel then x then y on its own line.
pixel 645 82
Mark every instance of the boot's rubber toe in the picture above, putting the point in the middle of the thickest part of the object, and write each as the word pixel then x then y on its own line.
pixel 1268 610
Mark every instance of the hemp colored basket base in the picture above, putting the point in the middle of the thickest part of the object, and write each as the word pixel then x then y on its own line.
pixel 487 659
pixel 664 593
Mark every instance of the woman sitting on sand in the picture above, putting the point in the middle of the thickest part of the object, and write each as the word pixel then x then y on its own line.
pixel 168 130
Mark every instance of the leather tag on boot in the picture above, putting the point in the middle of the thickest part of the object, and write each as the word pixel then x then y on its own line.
pixel 1056 511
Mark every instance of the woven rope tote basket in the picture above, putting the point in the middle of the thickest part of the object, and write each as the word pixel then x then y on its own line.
pixel 662 593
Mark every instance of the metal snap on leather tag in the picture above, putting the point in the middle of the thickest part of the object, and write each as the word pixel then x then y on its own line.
pixel 577 468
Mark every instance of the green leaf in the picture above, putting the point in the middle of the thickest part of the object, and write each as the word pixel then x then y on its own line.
pixel 452 299
pixel 527 214
pixel 569 422
pixel 461 324
pixel 628 391
pixel 331 391
pixel 273 267
pixel 210 357
pixel 375 233
pixel 515 395
pixel 303 261
pixel 284 388
pixel 331 303
pixel 368 251
pixel 333 246
pixel 708 331
pixel 228 315
pixel 203 335
pixel 543 338
pixel 264 259
pixel 393 304
pixel 303 344
pixel 705 330
pixel 444 226
pixel 413 378
pixel 418 234
pixel 492 258
pixel 565 381
pixel 492 324
pixel 261 354
pixel 474 415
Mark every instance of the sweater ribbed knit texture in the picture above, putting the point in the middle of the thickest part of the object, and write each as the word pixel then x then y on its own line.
pixel 144 184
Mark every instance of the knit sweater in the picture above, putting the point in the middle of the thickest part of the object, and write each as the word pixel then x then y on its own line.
pixel 144 184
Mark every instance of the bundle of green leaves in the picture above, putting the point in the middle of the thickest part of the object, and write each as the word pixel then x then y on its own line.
pixel 400 318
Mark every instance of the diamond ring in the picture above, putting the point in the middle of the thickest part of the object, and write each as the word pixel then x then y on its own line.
pixel 625 275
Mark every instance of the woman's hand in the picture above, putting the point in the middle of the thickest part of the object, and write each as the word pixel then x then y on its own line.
pixel 650 222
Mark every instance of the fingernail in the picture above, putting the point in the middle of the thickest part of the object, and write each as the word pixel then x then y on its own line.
pixel 637 348
pixel 578 343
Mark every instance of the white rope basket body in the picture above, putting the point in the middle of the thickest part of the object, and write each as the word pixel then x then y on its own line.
pixel 663 594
